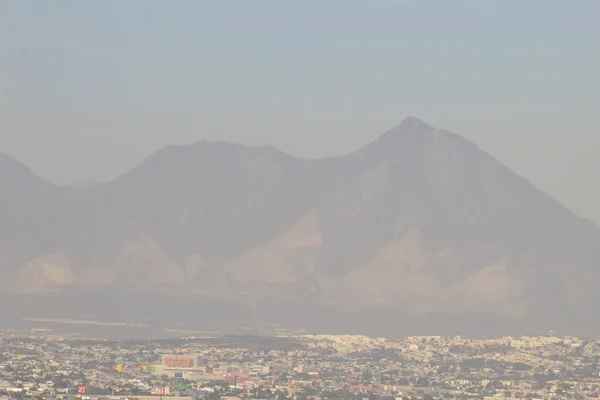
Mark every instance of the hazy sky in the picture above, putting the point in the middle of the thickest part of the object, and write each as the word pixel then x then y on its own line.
pixel 89 88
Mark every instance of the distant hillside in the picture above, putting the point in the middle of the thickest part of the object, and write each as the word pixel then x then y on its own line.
pixel 419 221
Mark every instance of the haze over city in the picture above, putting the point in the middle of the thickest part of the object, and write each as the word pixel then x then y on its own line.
pixel 310 200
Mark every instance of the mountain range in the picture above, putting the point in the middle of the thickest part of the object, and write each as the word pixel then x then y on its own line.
pixel 421 221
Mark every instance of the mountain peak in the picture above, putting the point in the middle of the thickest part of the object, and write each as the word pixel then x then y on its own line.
pixel 410 126
pixel 414 123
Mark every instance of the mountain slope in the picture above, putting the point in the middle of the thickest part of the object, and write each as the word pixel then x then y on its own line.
pixel 466 213
pixel 26 205
pixel 421 220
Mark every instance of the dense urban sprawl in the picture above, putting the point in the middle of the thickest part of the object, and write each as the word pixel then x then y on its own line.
pixel 40 365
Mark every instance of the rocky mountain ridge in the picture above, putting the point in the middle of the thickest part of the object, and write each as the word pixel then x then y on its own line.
pixel 421 220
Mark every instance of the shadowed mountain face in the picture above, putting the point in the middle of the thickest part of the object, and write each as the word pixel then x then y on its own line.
pixel 420 220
